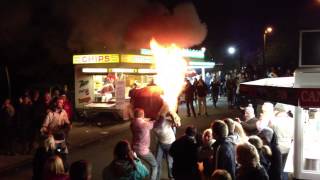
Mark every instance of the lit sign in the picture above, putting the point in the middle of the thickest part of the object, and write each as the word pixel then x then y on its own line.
pixel 208 64
pixel 128 58
pixel 94 70
pixel 190 53
pixel 96 58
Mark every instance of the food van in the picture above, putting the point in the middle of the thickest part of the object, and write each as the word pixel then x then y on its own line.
pixel 103 81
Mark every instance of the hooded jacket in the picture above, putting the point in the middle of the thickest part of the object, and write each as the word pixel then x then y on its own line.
pixel 124 170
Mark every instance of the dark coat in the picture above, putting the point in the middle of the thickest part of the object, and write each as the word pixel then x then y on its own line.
pixel 258 173
pixel 224 156
pixel 189 92
pixel 275 170
pixel 39 161
pixel 184 152
pixel 201 88
pixel 215 87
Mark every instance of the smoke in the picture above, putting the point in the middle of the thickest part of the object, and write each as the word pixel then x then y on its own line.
pixel 14 20
pixel 130 24
pixel 101 24
pixel 182 26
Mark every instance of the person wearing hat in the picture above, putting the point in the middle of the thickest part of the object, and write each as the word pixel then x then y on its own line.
pixel 250 120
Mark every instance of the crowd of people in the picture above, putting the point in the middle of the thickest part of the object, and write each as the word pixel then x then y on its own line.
pixel 33 117
pixel 242 149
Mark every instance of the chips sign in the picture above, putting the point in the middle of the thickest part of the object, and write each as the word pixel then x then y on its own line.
pixel 96 59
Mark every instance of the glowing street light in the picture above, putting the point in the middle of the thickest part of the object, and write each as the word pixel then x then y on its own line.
pixel 267 31
pixel 231 50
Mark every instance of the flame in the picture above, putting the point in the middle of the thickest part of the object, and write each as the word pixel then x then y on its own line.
pixel 171 68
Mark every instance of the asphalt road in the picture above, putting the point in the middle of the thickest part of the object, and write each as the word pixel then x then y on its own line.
pixel 100 152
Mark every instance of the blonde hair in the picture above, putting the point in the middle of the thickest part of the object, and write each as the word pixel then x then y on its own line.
pixel 247 155
pixel 54 165
pixel 49 143
pixel 257 142
pixel 205 132
pixel 239 130
pixel 220 174
pixel 231 125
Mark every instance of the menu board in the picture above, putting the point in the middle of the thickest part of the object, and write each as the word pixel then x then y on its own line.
pixel 120 93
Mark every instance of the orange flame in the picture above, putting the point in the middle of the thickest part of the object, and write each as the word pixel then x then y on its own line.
pixel 171 68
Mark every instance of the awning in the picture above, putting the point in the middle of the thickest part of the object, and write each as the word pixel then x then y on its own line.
pixel 281 90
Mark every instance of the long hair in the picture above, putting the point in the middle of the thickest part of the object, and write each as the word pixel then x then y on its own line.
pixel 54 165
pixel 123 151
pixel 239 130
pixel 49 143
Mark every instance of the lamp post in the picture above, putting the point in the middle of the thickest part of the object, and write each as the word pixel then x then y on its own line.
pixel 267 31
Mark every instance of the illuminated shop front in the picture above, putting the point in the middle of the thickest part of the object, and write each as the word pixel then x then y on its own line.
pixel 103 81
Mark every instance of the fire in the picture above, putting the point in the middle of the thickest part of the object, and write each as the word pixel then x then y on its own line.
pixel 171 68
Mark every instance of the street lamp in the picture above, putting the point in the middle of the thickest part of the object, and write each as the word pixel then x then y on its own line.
pixel 267 31
pixel 232 50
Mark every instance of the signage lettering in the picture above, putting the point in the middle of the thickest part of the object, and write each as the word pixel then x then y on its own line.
pixel 95 58
pixel 310 96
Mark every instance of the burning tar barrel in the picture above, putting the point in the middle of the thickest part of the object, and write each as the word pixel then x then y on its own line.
pixel 149 99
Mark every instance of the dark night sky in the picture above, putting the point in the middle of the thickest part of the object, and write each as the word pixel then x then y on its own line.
pixel 41 30
pixel 35 35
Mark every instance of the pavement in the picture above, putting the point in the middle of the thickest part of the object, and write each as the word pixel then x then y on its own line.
pixel 83 135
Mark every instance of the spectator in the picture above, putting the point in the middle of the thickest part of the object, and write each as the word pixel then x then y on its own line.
pixel 263 150
pixel 283 126
pixel 205 153
pixel 223 150
pixel 40 110
pixel 56 121
pixel 239 131
pixel 140 128
pixel 80 170
pixel 232 136
pixel 202 90
pixel 46 150
pixel 189 92
pixel 215 86
pixel 230 88
pixel 250 168
pixel 125 164
pixel 250 120
pixel 24 120
pixel 54 169
pixel 266 116
pixel 7 126
pixel 67 106
pixel 166 136
pixel 220 174
pixel 184 152
pixel 269 138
